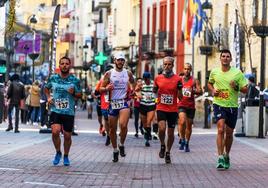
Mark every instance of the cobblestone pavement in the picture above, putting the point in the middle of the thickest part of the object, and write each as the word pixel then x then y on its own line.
pixel 26 161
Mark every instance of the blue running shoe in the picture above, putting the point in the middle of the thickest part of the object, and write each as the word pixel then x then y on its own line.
pixel 57 158
pixel 66 161
pixel 182 145
pixel 187 149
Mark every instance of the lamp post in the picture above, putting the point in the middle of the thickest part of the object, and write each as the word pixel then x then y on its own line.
pixel 85 64
pixel 262 32
pixel 206 50
pixel 132 38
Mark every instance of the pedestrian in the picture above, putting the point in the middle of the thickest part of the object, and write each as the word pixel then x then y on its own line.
pixel 15 94
pixel 136 103
pixel 225 83
pixel 147 105
pixel 35 102
pixel 191 88
pixel 168 87
pixel 65 88
pixel 116 81
pixel 2 101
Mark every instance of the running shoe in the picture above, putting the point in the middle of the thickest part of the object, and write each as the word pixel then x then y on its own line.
pixel 147 143
pixel 100 129
pixel 226 162
pixel 136 135
pixel 187 149
pixel 66 161
pixel 220 164
pixel 57 158
pixel 162 151
pixel 167 158
pixel 155 137
pixel 180 141
pixel 103 131
pixel 108 141
pixel 182 145
pixel 115 156
pixel 122 151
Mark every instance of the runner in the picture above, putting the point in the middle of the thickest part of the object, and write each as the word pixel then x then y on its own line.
pixel 168 87
pixel 64 88
pixel 116 81
pixel 104 99
pixel 136 102
pixel 191 87
pixel 225 83
pixel 147 105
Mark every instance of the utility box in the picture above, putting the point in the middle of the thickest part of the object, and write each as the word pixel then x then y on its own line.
pixel 252 121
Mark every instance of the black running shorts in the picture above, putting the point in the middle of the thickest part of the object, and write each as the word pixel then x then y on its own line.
pixel 170 117
pixel 66 121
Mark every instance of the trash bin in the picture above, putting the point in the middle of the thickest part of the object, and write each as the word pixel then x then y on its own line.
pixel 252 118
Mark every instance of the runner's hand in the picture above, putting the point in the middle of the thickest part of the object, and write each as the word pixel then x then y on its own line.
pixel 71 90
pixel 234 85
pixel 50 101
pixel 216 92
pixel 109 87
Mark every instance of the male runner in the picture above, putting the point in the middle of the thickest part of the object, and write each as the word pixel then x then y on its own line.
pixel 168 88
pixel 147 105
pixel 116 81
pixel 191 87
pixel 61 91
pixel 225 83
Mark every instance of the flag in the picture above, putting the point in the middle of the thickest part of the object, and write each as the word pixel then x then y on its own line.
pixel 184 18
pixel 236 43
pixel 54 33
pixel 198 19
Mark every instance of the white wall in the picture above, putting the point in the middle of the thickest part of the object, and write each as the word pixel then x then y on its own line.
pixel 2 25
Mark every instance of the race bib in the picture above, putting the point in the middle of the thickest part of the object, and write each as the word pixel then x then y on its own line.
pixel 224 95
pixel 186 92
pixel 148 96
pixel 117 104
pixel 166 99
pixel 62 104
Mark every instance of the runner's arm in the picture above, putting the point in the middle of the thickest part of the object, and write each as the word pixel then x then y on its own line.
pixel 179 87
pixel 214 92
pixel 105 85
pixel 131 80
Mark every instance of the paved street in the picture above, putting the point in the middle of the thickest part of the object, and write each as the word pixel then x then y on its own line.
pixel 26 161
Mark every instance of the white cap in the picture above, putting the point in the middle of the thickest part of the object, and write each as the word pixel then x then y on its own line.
pixel 120 55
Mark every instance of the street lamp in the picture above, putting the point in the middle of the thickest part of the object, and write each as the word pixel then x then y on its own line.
pixel 85 64
pixel 262 32
pixel 132 38
pixel 206 50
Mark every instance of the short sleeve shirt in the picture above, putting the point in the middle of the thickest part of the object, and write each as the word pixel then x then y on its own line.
pixel 228 97
pixel 167 92
pixel 64 102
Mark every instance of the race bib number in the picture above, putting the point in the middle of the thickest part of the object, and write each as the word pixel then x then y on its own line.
pixel 224 95
pixel 186 92
pixel 62 104
pixel 166 99
pixel 117 104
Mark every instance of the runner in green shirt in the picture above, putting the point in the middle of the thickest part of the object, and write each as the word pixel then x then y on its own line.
pixel 225 83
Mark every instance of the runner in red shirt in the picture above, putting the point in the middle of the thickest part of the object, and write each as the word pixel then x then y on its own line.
pixel 168 87
pixel 191 87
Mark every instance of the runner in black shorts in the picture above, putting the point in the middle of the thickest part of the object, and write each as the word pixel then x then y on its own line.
pixel 147 105
pixel 61 91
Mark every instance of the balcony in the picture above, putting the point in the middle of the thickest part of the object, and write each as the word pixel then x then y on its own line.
pixel 146 43
pixel 102 4
pixel 67 37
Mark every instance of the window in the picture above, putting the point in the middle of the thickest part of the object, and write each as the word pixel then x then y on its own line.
pixel 54 3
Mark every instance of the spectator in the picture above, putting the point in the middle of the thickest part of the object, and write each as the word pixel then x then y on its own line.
pixel 15 94
pixel 35 102
pixel 253 92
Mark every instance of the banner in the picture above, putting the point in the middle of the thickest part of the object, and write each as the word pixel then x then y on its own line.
pixel 54 32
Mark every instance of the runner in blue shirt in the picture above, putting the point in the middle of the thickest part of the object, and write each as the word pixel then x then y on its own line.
pixel 61 90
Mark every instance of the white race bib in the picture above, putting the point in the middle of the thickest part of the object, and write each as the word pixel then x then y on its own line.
pixel 186 92
pixel 62 103
pixel 117 104
pixel 166 99
pixel 106 98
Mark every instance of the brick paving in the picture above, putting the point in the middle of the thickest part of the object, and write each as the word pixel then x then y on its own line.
pixel 26 161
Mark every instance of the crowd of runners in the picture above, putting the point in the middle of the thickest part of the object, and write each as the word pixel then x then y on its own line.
pixel 160 103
